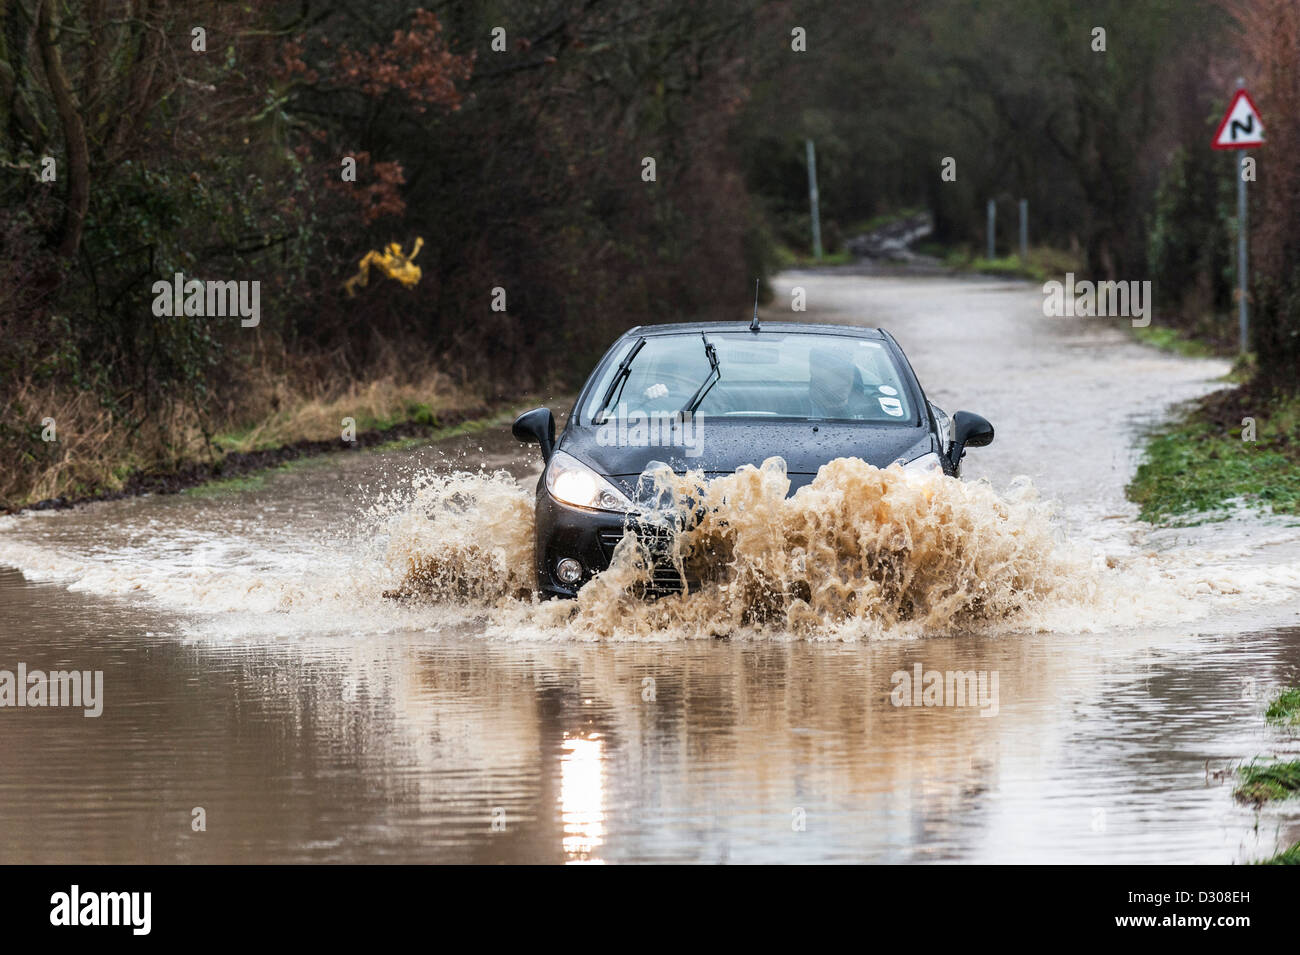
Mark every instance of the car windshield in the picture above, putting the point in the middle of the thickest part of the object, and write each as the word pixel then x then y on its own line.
pixel 769 374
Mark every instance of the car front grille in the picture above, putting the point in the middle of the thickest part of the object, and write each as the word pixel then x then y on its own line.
pixel 664 576
pixel 608 541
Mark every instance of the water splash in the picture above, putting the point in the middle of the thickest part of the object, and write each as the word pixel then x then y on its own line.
pixel 860 552
pixel 860 548
pixel 460 537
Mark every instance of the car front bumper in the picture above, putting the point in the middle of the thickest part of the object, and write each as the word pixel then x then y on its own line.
pixel 561 531
pixel 590 537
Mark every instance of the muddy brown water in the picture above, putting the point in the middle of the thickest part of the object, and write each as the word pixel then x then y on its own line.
pixel 252 669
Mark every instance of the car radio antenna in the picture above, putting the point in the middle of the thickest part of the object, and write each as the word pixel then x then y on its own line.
pixel 753 325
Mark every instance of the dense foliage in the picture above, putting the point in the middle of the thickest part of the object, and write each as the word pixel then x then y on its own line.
pixel 513 138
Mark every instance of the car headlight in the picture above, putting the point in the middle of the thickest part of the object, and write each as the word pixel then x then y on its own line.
pixel 571 482
pixel 928 463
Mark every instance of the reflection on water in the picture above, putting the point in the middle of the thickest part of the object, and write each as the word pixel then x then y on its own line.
pixel 582 797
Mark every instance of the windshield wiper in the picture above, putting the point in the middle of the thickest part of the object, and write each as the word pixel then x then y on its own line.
pixel 620 376
pixel 715 375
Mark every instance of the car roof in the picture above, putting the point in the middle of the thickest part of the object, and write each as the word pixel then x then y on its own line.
pixel 681 328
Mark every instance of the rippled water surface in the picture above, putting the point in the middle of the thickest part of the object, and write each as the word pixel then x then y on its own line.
pixel 254 669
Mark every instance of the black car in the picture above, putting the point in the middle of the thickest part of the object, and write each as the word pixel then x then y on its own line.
pixel 714 396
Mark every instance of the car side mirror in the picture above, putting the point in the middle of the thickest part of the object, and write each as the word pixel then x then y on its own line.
pixel 969 430
pixel 536 425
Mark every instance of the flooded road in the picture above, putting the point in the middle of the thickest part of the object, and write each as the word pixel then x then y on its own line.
pixel 253 669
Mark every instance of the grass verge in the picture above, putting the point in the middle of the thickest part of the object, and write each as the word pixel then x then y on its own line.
pixel 1285 857
pixel 788 258
pixel 374 440
pixel 1231 447
pixel 1262 782
pixel 237 471
pixel 1284 709
pixel 66 442
pixel 1040 264
pixel 376 405
pixel 1174 340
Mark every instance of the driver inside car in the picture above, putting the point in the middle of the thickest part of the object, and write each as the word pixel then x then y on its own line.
pixel 835 387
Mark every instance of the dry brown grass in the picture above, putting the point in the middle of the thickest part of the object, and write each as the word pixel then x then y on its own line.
pixel 271 405
pixel 317 413
pixel 91 449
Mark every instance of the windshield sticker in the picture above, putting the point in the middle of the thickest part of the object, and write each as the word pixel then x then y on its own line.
pixel 891 406
pixel 886 390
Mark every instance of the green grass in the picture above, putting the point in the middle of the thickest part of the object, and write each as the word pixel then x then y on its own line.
pixel 1199 338
pixel 442 434
pixel 1268 781
pixel 253 480
pixel 1171 340
pixel 1285 708
pixel 418 412
pixel 234 485
pixel 788 258
pixel 1192 470
pixel 1042 263
pixel 1285 857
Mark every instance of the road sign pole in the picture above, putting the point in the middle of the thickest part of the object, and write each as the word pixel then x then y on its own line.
pixel 993 219
pixel 1243 273
pixel 1241 128
pixel 812 200
pixel 1024 230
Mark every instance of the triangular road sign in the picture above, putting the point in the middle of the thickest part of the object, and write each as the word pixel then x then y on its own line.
pixel 1241 127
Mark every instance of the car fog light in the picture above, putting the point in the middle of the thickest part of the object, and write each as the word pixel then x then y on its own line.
pixel 568 570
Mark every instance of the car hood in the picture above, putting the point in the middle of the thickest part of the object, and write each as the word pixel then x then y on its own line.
pixel 720 448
